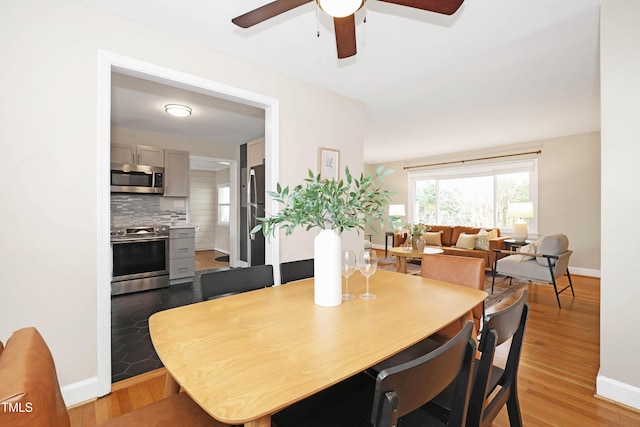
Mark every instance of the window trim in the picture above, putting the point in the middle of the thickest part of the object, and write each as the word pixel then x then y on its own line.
pixel 476 170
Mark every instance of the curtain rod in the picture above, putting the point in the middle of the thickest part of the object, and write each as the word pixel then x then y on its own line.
pixel 473 160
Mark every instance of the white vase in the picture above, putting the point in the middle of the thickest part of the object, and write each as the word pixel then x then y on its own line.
pixel 327 282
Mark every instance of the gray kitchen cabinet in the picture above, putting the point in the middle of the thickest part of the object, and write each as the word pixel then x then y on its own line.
pixel 182 255
pixel 123 154
pixel 137 155
pixel 150 156
pixel 255 152
pixel 176 173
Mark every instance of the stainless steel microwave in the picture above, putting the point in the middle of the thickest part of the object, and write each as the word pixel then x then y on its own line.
pixel 136 179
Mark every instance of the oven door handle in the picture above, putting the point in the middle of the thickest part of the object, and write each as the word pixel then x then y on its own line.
pixel 140 239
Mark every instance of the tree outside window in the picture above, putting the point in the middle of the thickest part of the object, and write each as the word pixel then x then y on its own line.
pixel 473 196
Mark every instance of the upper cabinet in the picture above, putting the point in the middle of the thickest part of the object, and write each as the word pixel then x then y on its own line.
pixel 137 155
pixel 176 173
pixel 150 156
pixel 255 152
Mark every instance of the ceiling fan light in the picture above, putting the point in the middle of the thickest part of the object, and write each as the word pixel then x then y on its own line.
pixel 340 8
pixel 178 110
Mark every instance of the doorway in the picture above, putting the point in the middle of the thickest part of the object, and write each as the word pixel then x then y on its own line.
pixel 210 211
pixel 107 63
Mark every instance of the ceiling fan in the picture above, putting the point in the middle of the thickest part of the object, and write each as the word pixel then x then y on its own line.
pixel 343 12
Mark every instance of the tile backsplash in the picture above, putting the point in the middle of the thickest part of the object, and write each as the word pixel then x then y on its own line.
pixel 146 209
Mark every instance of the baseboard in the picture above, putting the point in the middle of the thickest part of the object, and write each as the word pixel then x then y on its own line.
pixel 618 391
pixel 590 272
pixel 81 391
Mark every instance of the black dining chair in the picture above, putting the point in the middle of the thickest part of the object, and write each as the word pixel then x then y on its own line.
pixel 220 283
pixel 296 270
pixel 397 394
pixel 493 387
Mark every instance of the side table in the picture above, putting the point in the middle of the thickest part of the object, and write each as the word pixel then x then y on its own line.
pixel 513 244
pixel 387 234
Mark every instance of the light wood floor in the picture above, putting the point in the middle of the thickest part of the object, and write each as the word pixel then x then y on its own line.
pixel 206 260
pixel 558 368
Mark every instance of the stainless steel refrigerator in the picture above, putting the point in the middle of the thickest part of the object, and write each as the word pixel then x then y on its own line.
pixel 255 206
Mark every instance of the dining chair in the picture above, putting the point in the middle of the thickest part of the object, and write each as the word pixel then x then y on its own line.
pixel 220 283
pixel 30 393
pixel 493 387
pixel 397 394
pixel 545 261
pixel 485 404
pixel 296 270
pixel 463 271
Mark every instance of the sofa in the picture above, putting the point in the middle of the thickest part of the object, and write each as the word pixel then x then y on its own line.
pixel 476 242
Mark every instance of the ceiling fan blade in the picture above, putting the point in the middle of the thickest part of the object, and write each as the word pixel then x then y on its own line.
pixel 447 7
pixel 267 11
pixel 345 36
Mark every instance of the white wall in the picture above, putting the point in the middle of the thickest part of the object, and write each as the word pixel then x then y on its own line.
pixel 619 376
pixel 48 129
pixel 203 212
pixel 568 191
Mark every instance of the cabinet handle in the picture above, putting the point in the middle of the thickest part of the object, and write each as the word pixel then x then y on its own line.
pixel 183 269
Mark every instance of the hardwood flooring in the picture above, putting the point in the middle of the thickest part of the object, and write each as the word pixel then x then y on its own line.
pixel 559 364
pixel 206 260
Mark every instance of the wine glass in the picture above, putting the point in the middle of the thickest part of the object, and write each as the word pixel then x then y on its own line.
pixel 348 268
pixel 368 265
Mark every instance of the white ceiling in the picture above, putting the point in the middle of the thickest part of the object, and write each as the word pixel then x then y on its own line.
pixel 496 72
pixel 139 104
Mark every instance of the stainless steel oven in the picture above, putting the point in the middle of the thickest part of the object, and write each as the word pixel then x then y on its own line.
pixel 140 259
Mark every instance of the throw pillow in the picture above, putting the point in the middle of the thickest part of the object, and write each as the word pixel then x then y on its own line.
pixel 466 241
pixel 527 249
pixel 432 238
pixel 483 238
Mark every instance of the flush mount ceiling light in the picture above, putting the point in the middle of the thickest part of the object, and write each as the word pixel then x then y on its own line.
pixel 178 110
pixel 340 8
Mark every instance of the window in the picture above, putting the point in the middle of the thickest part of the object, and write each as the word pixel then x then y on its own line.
pixel 224 198
pixel 473 195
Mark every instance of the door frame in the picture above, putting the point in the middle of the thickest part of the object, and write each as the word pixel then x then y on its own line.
pixel 107 63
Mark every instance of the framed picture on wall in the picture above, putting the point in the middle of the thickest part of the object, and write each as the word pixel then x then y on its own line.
pixel 329 163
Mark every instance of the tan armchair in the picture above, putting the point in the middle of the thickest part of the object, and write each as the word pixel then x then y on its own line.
pixel 546 262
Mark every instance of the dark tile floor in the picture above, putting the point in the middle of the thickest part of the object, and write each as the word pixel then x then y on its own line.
pixel 132 352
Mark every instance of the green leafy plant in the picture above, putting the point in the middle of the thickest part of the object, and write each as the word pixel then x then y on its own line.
pixel 328 204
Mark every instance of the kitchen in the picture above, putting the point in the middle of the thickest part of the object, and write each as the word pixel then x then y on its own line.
pixel 167 174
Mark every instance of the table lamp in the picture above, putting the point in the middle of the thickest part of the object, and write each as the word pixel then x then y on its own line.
pixel 520 211
pixel 395 212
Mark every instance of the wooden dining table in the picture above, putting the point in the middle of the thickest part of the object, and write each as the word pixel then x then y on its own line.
pixel 244 357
